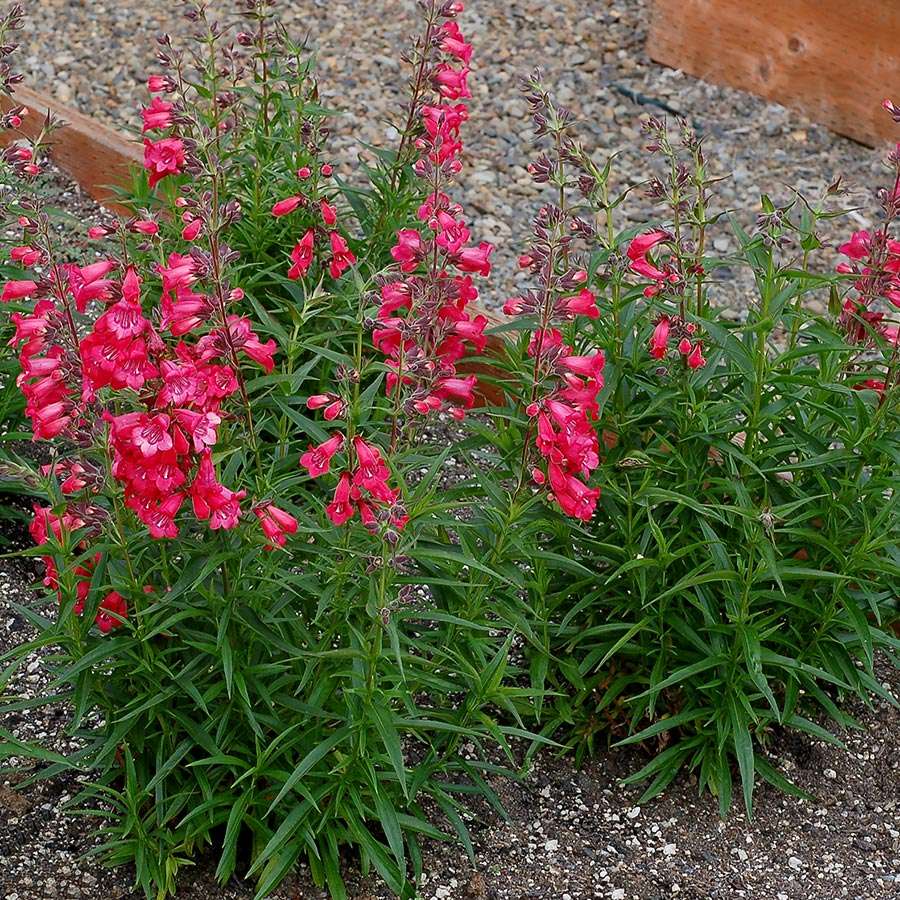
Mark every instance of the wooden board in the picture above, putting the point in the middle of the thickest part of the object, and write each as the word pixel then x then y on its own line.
pixel 95 156
pixel 832 60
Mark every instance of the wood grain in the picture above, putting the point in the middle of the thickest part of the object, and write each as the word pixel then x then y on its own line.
pixel 94 155
pixel 833 60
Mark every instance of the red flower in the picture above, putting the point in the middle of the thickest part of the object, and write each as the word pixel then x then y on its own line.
pixel 372 473
pixel 157 115
pixel 317 460
pixel 858 246
pixel 637 253
pixel 329 216
pixel 158 84
pixel 696 359
pixel 288 205
pixel 302 255
pixel 659 343
pixel 453 43
pixel 113 609
pixel 342 257
pixel 587 366
pixel 452 83
pixel 142 226
pixel 583 303
pixel 276 524
pixel 408 249
pixel 574 497
pixel 192 230
pixel 476 259
pixel 28 256
pixel 242 338
pixel 213 500
pixel 162 158
pixel 340 510
pixel 17 290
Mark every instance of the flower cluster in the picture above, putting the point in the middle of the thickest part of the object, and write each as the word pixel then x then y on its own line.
pixel 172 390
pixel 668 328
pixel 362 486
pixel 661 274
pixel 339 257
pixel 874 261
pixel 423 326
pixel 564 406
pixel 563 402
pixel 673 329
pixel 46 526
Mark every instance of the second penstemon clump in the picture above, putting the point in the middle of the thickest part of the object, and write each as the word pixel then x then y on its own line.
pixel 736 483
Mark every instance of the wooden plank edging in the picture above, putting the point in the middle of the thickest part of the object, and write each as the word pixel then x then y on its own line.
pixel 94 155
pixel 832 60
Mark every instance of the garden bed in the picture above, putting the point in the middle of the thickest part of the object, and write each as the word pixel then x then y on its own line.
pixel 301 624
pixel 571 832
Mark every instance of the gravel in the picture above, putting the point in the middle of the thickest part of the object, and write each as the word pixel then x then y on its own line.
pixel 592 52
pixel 570 834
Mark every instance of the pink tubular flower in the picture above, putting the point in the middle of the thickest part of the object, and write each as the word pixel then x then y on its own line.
pixel 334 406
pixel 340 510
pixel 329 216
pixel 637 252
pixel 408 249
pixel 452 83
pixel 302 255
pixel 159 84
pixel 286 206
pixel 113 609
pixel 158 115
pixel 372 470
pixel 162 158
pixel 200 426
pixel 575 498
pixel 583 303
pixel 276 524
pixel 659 343
pixel 192 230
pixel 28 256
pixel 242 338
pixel 858 247
pixel 145 226
pixel 342 257
pixel 213 500
pixel 586 366
pixel 476 259
pixel 17 290
pixel 696 359
pixel 317 460
pixel 453 43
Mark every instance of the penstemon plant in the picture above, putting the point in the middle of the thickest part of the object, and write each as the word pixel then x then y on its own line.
pixel 740 571
pixel 249 660
pixel 292 584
